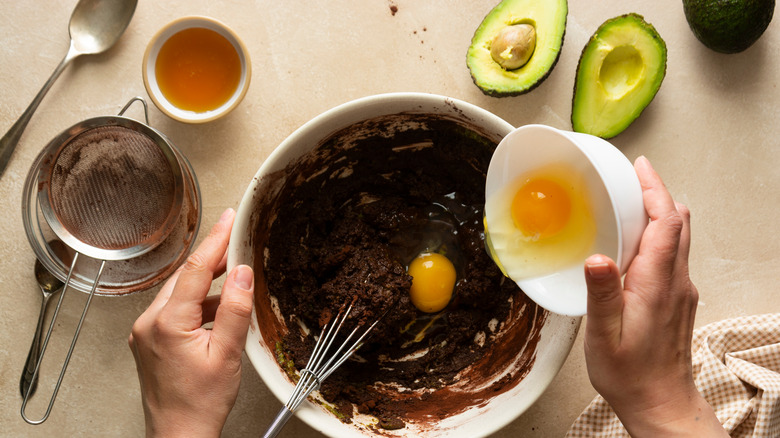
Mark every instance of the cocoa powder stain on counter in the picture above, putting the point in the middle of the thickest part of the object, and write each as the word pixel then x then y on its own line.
pixel 344 235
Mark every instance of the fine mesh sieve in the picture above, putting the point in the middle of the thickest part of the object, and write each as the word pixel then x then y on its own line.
pixel 111 192
pixel 111 188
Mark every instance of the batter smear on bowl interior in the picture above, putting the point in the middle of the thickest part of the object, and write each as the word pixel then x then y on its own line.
pixel 347 235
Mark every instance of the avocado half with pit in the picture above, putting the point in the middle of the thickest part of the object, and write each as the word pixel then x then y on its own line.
pixel 619 73
pixel 517 45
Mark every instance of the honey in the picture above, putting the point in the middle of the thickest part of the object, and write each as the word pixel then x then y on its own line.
pixel 198 69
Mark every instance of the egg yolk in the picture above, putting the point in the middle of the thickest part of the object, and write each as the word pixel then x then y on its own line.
pixel 541 208
pixel 542 222
pixel 433 279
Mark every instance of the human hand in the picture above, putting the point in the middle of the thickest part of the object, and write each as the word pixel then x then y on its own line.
pixel 638 334
pixel 190 375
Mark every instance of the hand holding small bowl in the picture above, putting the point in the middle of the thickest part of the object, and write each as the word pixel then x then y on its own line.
pixel 552 199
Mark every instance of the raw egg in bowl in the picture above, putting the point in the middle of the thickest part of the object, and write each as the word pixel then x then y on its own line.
pixel 552 198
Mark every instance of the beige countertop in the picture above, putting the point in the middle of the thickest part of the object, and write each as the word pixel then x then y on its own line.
pixel 712 132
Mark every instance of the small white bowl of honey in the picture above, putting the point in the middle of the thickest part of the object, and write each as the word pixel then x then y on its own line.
pixel 196 69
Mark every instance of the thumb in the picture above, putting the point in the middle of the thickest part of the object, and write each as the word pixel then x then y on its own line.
pixel 231 321
pixel 605 300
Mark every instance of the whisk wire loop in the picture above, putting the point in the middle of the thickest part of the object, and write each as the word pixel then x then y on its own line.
pixel 316 371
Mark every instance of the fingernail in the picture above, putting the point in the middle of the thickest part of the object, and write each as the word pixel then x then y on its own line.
pixel 598 267
pixel 598 271
pixel 643 161
pixel 244 277
pixel 226 215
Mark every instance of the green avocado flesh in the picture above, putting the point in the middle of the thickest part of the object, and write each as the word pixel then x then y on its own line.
pixel 619 72
pixel 728 26
pixel 548 17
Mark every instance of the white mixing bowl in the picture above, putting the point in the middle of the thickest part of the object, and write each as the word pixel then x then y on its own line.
pixel 474 417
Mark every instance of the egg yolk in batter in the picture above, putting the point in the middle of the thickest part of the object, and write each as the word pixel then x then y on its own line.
pixel 541 208
pixel 433 280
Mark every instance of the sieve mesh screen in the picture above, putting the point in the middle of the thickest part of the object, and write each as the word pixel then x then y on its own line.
pixel 112 187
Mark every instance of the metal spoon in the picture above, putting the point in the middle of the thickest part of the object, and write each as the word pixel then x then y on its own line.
pixel 95 25
pixel 49 285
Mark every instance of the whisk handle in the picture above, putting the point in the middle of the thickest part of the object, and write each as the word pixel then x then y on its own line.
pixel 279 422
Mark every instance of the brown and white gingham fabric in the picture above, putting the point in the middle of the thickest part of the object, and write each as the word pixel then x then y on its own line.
pixel 736 366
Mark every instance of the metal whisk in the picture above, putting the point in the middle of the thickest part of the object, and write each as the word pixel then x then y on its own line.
pixel 320 366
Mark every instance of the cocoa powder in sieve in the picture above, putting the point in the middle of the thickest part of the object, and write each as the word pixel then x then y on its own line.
pixel 112 187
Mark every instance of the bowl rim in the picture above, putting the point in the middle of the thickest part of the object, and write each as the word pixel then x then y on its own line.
pixel 561 327
pixel 150 57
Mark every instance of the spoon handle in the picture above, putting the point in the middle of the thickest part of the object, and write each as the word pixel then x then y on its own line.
pixel 32 357
pixel 11 138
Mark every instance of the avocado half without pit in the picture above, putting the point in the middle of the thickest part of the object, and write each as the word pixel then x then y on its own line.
pixel 517 45
pixel 619 72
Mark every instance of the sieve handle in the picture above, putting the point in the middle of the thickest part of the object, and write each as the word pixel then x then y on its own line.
pixel 72 343
pixel 133 100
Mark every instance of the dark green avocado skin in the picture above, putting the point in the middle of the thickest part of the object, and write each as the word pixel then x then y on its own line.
pixel 728 26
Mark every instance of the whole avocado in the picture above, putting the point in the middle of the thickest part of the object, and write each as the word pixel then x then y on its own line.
pixel 728 26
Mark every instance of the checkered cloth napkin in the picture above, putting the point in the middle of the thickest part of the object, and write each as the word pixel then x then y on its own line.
pixel 736 366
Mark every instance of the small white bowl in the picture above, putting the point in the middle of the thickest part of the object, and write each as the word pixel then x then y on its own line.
pixel 150 60
pixel 247 246
pixel 615 193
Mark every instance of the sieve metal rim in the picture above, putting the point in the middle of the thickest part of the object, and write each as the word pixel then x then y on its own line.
pixel 47 158
pixel 38 236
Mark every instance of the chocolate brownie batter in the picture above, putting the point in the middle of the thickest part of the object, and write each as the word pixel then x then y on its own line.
pixel 345 235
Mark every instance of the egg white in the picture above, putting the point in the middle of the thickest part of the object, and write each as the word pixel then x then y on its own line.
pixel 521 256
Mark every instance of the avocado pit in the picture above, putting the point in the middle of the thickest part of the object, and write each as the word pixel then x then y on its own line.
pixel 513 46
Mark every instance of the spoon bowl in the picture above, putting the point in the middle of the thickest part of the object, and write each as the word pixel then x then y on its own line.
pixel 46 280
pixel 95 25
